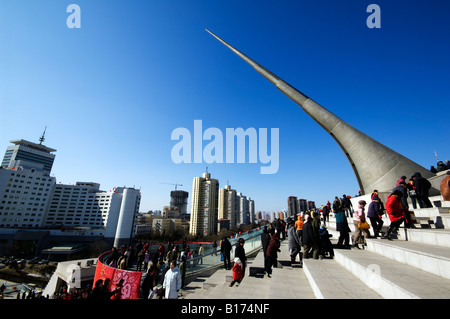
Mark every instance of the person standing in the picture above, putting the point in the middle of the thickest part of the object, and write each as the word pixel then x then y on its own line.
pixel 265 238
pixel 341 224
pixel 360 216
pixel 172 281
pixel 240 253
pixel 299 226
pixel 294 243
pixel 272 253
pixel 225 249
pixel 422 189
pixel 201 251
pixel 183 266
pixel 310 243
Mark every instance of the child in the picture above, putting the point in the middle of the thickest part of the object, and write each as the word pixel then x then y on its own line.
pixel 237 272
pixel 325 243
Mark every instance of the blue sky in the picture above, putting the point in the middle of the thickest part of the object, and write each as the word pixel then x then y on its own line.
pixel 111 92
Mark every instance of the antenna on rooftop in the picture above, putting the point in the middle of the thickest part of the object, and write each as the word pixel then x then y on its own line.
pixel 42 138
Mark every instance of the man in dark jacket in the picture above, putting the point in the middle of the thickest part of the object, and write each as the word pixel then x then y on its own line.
pixel 265 238
pixel 225 249
pixel 375 213
pixel 422 186
pixel 347 205
pixel 240 253
pixel 310 242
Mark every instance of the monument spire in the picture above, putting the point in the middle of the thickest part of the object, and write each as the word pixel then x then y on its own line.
pixel 375 165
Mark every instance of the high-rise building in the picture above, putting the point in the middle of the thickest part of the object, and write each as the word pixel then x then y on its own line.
pixel 292 206
pixel 30 154
pixel 179 199
pixel 242 210
pixel 311 205
pixel 251 210
pixel 85 205
pixel 204 206
pixel 227 205
pixel 302 205
pixel 30 199
pixel 25 194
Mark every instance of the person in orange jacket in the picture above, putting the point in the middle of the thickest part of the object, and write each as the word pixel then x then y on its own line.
pixel 299 226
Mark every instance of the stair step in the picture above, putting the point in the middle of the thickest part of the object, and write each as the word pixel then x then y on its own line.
pixel 392 279
pixel 332 281
pixel 429 258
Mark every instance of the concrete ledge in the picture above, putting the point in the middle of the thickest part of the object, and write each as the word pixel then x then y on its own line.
pixel 432 259
pixel 329 280
pixel 390 279
pixel 438 237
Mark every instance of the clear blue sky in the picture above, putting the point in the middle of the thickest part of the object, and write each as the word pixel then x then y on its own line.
pixel 112 92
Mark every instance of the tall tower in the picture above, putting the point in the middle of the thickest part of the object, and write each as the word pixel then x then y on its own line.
pixel 179 199
pixel 292 206
pixel 204 209
pixel 227 205
pixel 378 171
pixel 29 154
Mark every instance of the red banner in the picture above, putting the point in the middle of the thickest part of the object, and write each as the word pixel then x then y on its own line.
pixel 131 284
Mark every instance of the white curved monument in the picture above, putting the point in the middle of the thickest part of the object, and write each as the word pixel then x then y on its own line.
pixel 375 165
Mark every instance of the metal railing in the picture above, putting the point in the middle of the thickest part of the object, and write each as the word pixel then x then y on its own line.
pixel 213 258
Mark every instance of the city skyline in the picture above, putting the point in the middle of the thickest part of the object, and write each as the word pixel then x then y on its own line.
pixel 111 92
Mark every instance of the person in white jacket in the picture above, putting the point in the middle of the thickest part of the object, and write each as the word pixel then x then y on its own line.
pixel 172 281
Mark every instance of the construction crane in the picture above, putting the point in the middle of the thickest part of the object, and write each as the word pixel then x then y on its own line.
pixel 173 184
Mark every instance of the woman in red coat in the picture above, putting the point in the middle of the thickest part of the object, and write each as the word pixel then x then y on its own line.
pixel 395 211
pixel 237 272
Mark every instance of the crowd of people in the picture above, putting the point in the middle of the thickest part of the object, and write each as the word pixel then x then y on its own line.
pixel 307 234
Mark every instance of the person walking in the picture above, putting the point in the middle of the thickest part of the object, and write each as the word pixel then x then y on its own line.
pixel 341 224
pixel 347 205
pixel 360 217
pixel 237 272
pixel 294 243
pixel 395 212
pixel 412 193
pixel 374 213
pixel 172 281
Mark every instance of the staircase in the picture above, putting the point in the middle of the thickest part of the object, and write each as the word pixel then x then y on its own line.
pixel 415 265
